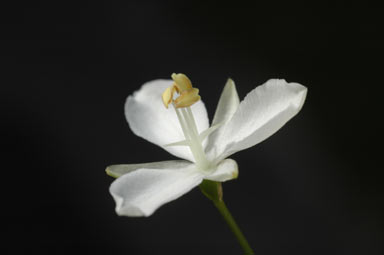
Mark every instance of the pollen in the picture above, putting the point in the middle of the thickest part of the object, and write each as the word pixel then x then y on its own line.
pixel 182 82
pixel 187 95
pixel 187 98
pixel 168 96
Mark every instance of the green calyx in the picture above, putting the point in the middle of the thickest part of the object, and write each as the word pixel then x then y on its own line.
pixel 212 190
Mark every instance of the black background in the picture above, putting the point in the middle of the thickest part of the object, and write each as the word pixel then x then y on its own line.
pixel 315 187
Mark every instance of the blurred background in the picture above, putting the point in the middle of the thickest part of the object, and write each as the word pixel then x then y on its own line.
pixel 315 187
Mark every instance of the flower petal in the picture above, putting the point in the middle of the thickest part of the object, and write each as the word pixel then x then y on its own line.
pixel 226 170
pixel 141 192
pixel 227 106
pixel 228 103
pixel 119 170
pixel 263 111
pixel 148 118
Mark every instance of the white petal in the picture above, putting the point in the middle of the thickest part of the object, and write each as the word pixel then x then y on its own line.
pixel 227 106
pixel 228 103
pixel 141 192
pixel 149 119
pixel 226 170
pixel 119 170
pixel 263 111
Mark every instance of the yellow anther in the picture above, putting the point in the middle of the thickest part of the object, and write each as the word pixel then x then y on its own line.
pixel 187 98
pixel 187 95
pixel 182 82
pixel 168 95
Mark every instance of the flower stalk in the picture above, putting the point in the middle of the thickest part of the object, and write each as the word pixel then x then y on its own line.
pixel 214 191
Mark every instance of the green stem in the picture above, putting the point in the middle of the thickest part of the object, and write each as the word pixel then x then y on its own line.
pixel 214 191
pixel 220 205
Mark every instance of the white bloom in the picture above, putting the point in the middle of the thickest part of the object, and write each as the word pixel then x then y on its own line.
pixel 142 188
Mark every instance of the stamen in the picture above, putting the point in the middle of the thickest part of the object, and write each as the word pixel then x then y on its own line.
pixel 192 120
pixel 196 145
pixel 183 86
pixel 187 98
pixel 167 96
pixel 182 82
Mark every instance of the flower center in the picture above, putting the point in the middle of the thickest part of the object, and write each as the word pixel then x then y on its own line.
pixel 187 96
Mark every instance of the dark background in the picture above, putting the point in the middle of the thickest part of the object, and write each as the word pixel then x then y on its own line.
pixel 315 187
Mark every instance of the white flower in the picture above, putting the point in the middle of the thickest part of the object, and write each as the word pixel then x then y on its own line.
pixel 184 132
